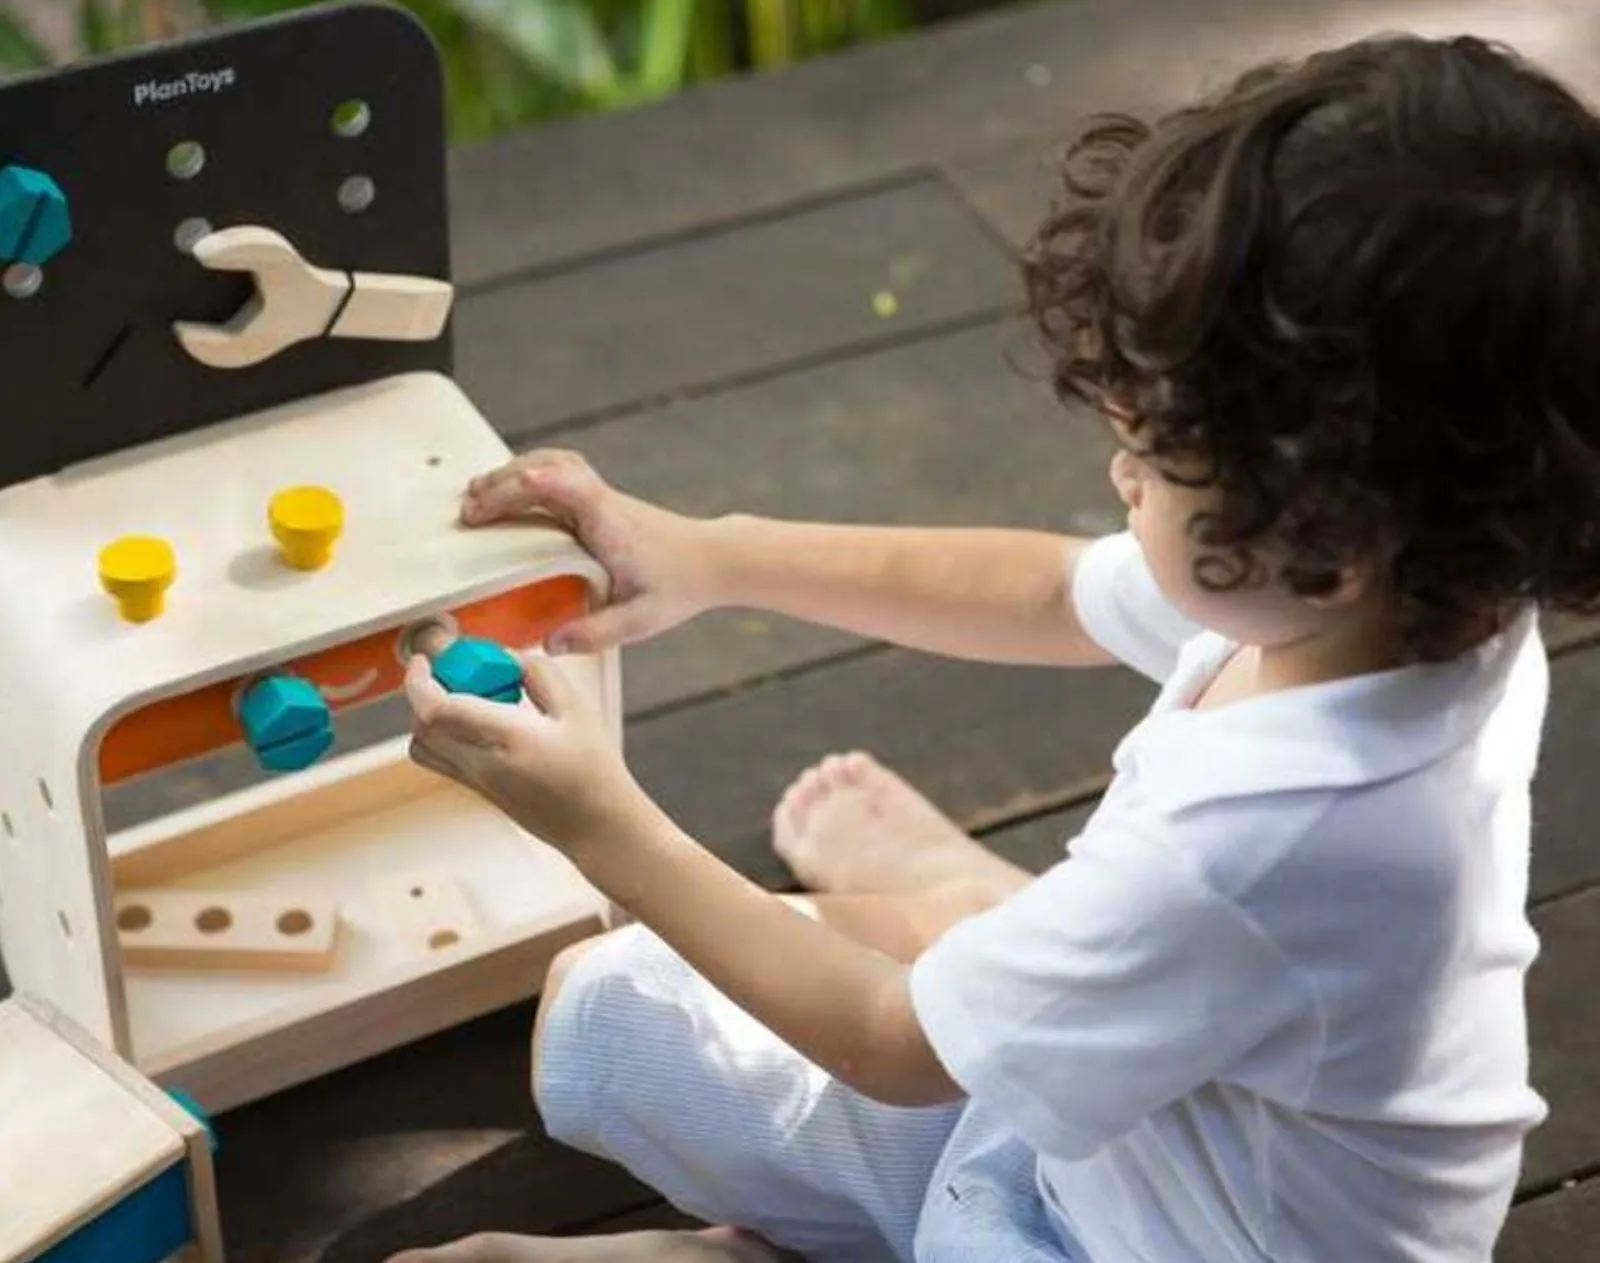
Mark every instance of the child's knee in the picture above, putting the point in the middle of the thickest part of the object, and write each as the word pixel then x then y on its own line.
pixel 556 975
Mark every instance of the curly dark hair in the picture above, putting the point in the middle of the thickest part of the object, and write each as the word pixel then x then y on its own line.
pixel 1362 292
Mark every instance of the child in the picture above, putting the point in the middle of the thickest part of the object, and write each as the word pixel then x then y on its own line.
pixel 1343 323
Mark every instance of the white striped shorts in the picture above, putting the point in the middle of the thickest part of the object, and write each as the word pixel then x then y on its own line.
pixel 643 1063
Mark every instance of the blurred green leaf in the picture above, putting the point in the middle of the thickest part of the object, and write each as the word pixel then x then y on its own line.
pixel 510 63
pixel 559 37
pixel 19 50
pixel 711 40
pixel 664 57
pixel 246 10
pixel 105 28
pixel 774 31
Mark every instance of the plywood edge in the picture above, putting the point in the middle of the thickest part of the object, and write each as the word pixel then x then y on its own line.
pixel 568 564
pixel 222 829
pixel 205 1218
pixel 165 1110
pixel 126 1075
pixel 566 560
pixel 309 1041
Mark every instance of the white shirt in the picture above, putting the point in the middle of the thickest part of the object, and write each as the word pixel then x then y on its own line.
pixel 1271 1008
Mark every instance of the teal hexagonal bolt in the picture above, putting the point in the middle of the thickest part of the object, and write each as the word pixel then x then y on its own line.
pixel 480 667
pixel 34 223
pixel 286 722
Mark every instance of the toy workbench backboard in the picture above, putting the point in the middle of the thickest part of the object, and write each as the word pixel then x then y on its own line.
pixel 224 297
pixel 325 124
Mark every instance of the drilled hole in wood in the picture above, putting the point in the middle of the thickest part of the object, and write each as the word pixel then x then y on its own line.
pixel 351 118
pixel 22 280
pixel 356 194
pixel 416 892
pixel 427 638
pixel 190 232
pixel 134 917
pixel 11 829
pixel 44 793
pixel 212 920
pixel 435 461
pixel 443 938
pixel 66 925
pixel 295 921
pixel 186 159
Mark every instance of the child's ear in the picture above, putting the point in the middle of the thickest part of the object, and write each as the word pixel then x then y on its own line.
pixel 1352 583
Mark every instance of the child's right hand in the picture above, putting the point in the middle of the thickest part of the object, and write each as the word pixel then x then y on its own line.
pixel 660 565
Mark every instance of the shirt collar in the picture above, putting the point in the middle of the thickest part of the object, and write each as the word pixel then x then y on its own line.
pixel 1335 735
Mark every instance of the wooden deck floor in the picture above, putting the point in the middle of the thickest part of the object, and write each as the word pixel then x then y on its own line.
pixel 685 294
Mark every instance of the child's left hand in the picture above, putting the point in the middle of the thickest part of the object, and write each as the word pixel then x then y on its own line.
pixel 551 766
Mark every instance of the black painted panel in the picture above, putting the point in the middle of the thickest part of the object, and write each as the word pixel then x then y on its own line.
pixel 88 364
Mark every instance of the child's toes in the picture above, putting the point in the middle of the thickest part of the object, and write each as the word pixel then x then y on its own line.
pixel 855 766
pixel 833 771
pixel 788 807
pixel 809 790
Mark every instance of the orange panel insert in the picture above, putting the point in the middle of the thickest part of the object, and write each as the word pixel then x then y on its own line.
pixel 184 727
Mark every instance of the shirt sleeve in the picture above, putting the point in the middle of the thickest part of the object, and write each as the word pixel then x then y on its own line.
pixel 1114 984
pixel 1123 611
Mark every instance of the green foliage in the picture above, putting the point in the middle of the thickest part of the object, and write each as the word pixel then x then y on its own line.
pixel 509 63
pixel 18 48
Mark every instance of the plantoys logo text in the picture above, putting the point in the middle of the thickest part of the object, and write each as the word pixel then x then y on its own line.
pixel 195 83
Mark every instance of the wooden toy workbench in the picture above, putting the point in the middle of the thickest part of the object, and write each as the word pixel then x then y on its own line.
pixel 228 497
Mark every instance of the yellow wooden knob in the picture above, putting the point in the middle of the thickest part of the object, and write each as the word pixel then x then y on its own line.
pixel 306 521
pixel 137 570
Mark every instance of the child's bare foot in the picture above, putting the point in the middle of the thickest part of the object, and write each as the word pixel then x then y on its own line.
pixel 851 826
pixel 718 1245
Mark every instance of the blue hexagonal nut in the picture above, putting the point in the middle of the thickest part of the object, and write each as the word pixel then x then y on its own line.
pixel 480 667
pixel 286 722
pixel 34 223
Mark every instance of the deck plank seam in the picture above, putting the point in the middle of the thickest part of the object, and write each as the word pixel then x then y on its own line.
pixel 896 180
pixel 1556 1184
pixel 982 220
pixel 861 348
pixel 756 683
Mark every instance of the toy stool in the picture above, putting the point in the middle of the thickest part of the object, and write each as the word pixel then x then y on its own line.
pixel 96 1164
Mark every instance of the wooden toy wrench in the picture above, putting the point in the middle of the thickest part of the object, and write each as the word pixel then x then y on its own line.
pixel 296 302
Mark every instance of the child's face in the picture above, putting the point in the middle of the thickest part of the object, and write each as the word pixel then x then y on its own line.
pixel 1163 516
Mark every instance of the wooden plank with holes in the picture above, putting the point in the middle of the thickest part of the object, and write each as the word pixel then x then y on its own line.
pixel 226 929
pixel 425 909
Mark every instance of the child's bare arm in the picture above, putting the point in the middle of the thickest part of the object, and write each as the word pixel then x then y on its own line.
pixel 986 594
